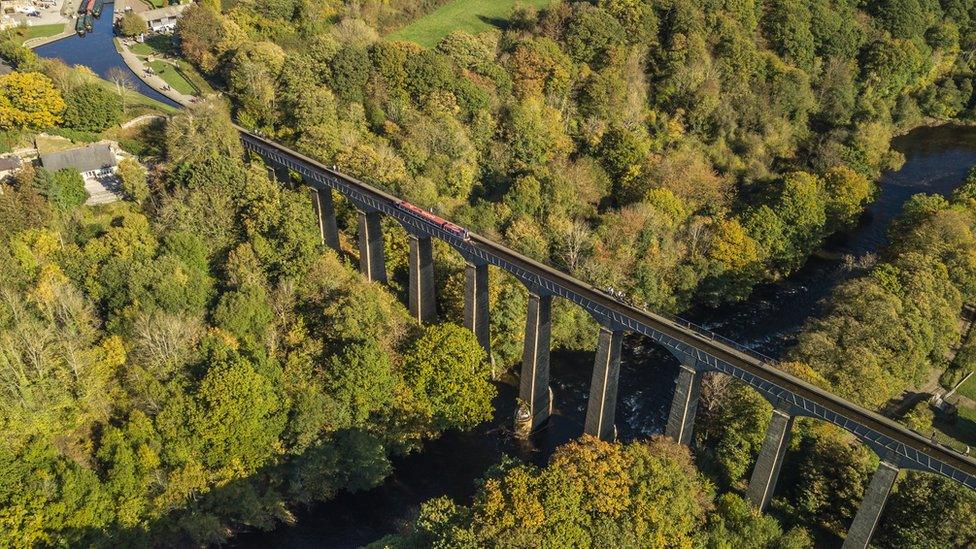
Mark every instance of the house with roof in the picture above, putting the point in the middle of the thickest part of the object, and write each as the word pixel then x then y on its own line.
pixel 93 161
pixel 163 20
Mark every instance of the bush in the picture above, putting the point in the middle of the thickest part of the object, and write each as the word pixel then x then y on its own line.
pixel 133 177
pixel 65 189
pixel 91 108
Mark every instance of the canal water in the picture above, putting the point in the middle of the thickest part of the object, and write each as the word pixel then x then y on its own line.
pixel 96 51
pixel 936 161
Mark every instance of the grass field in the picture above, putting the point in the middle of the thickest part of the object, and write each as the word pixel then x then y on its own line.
pixel 173 77
pixel 138 104
pixel 22 34
pixel 194 78
pixel 186 79
pixel 968 389
pixel 962 433
pixel 470 15
pixel 155 45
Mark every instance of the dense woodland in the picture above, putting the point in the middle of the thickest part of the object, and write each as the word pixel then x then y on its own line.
pixel 192 360
pixel 679 151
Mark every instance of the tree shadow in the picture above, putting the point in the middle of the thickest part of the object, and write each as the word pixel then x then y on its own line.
pixel 961 428
pixel 375 499
pixel 499 23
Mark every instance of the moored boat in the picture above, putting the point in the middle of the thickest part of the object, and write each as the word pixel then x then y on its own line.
pixel 97 8
pixel 80 26
pixel 89 22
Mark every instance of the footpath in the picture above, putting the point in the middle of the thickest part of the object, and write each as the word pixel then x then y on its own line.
pixel 139 67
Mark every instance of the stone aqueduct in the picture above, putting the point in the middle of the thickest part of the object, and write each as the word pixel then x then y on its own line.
pixel 697 351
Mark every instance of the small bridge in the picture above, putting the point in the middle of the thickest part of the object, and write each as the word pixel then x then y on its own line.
pixel 697 350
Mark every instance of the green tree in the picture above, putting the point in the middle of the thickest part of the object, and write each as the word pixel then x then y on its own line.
pixel 349 70
pixel 847 193
pixel 245 313
pixel 536 135
pixel 787 24
pixel 591 34
pixel 735 523
pixel 251 77
pixel 361 380
pixel 237 415
pixel 902 18
pixel 203 130
pixel 133 177
pixel 639 22
pixel 733 424
pixel 91 108
pixel 65 189
pixel 949 519
pixel 824 478
pixel 448 374
pixel 132 24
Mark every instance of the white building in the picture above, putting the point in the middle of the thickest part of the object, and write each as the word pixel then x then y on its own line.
pixel 163 20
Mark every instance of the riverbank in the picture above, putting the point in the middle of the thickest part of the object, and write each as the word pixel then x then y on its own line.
pixel 151 79
pixel 97 51
pixel 67 30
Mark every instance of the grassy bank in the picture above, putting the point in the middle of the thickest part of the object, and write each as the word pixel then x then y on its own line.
pixel 22 34
pixel 470 15
pixel 174 77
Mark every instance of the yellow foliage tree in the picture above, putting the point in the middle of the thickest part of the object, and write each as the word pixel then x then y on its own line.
pixel 29 101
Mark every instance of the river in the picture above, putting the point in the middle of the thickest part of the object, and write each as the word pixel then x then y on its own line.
pixel 936 161
pixel 96 50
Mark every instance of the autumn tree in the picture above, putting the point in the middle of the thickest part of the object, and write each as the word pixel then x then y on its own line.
pixel 202 130
pixel 640 494
pixel 29 101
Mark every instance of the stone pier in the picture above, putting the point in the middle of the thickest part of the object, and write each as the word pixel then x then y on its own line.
pixel 764 474
pixel 280 174
pixel 476 311
pixel 601 407
pixel 371 261
pixel 325 211
pixel 684 406
pixel 534 380
pixel 423 305
pixel 866 519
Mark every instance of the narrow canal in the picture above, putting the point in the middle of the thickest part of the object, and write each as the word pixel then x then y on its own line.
pixel 96 50
pixel 936 161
